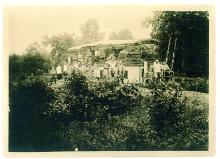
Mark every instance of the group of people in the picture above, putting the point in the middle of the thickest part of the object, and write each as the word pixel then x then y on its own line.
pixel 58 72
pixel 110 69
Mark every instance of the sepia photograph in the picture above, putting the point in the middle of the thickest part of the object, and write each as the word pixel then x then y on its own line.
pixel 109 78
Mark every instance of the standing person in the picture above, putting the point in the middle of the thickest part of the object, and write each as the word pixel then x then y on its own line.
pixel 53 73
pixel 121 68
pixel 65 69
pixel 112 72
pixel 59 72
pixel 157 69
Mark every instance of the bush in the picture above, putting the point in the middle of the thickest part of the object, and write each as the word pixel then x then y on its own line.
pixel 117 99
pixel 79 98
pixel 178 126
pixel 97 115
pixel 119 133
pixel 193 84
pixel 89 100
pixel 28 120
pixel 22 66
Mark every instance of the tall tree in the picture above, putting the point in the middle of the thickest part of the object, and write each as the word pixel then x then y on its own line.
pixel 90 31
pixel 113 36
pixel 124 34
pixel 59 45
pixel 190 31
pixel 33 62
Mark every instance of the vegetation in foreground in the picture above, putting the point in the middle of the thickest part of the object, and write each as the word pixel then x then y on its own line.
pixel 104 116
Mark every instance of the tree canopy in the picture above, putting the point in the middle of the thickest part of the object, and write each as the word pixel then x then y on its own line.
pixel 59 45
pixel 33 62
pixel 123 34
pixel 90 31
pixel 190 30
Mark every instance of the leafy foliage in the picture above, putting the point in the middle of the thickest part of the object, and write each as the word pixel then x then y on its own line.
pixel 95 115
pixel 59 46
pixel 192 32
pixel 176 126
pixel 90 31
pixel 28 121
pixel 193 84
pixel 123 34
pixel 32 63
pixel 89 100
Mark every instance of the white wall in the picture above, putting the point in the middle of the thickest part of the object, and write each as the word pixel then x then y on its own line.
pixel 133 73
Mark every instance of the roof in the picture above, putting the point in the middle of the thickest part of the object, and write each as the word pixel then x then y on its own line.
pixel 133 64
pixel 113 42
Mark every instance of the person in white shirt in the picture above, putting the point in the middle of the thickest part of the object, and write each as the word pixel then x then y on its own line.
pixel 59 72
pixel 157 69
pixel 53 78
pixel 65 69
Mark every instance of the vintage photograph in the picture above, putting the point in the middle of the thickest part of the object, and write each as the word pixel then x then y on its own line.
pixel 107 78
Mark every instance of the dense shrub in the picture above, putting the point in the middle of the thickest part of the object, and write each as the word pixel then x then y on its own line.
pixel 79 98
pixel 89 100
pixel 121 133
pixel 117 99
pixel 178 125
pixel 95 115
pixel 30 64
pixel 193 84
pixel 28 120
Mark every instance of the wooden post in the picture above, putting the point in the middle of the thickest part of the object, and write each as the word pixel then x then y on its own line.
pixel 174 49
pixel 126 54
pixel 141 50
pixel 168 49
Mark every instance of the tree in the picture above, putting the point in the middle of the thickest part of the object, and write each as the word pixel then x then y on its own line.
pixel 31 63
pixel 90 31
pixel 59 45
pixel 34 48
pixel 123 34
pixel 190 30
pixel 113 36
pixel 16 72
pixel 35 61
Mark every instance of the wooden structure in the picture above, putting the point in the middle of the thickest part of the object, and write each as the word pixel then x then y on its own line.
pixel 121 60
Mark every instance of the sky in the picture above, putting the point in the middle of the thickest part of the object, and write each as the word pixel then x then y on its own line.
pixel 24 25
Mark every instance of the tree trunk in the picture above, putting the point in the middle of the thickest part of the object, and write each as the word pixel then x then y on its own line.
pixel 168 49
pixel 174 49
